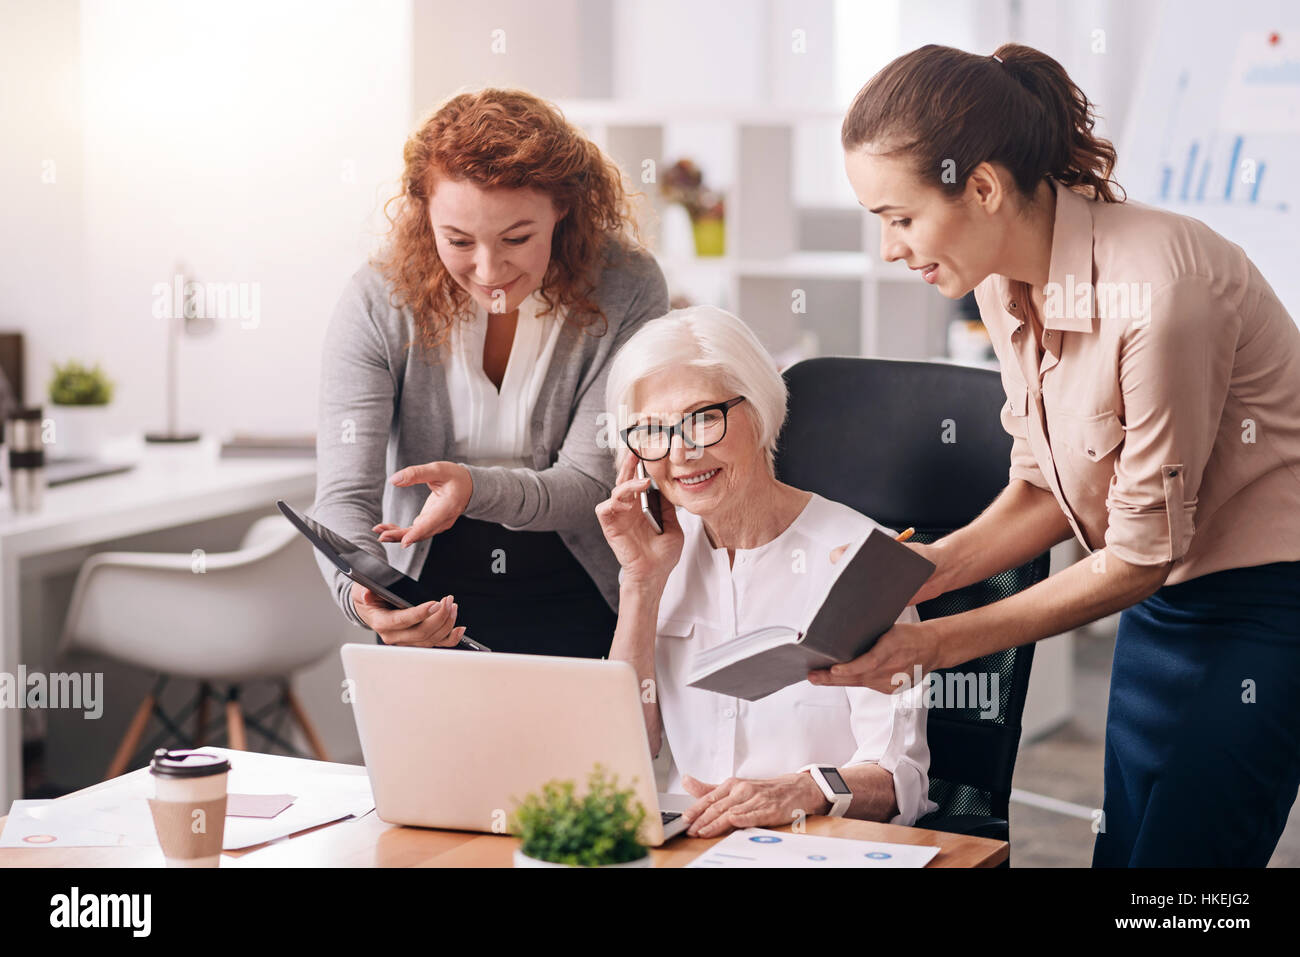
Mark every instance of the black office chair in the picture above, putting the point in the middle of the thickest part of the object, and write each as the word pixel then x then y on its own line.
pixel 921 444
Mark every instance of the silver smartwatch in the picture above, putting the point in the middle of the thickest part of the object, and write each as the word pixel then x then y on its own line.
pixel 832 785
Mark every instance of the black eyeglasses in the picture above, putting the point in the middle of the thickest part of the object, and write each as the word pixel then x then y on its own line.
pixel 698 429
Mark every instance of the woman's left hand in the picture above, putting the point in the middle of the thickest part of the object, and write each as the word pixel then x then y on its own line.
pixel 897 652
pixel 743 803
pixel 450 487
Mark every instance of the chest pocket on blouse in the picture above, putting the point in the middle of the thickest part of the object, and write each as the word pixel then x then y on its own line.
pixel 701 633
pixel 1094 437
pixel 675 628
pixel 1015 411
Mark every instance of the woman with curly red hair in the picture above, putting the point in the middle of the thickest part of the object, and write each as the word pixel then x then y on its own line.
pixel 463 382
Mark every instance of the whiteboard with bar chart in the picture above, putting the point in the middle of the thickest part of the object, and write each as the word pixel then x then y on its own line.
pixel 1214 129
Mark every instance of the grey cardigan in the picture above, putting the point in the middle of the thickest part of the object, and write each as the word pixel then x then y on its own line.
pixel 384 405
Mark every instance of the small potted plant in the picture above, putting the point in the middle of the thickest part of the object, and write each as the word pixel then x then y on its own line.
pixel 684 183
pixel 80 397
pixel 600 828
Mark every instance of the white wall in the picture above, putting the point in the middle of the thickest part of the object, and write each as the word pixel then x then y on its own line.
pixel 42 291
pixel 250 141
pixel 1101 44
pixel 679 51
pixel 558 49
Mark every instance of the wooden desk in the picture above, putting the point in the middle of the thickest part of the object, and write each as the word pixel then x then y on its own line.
pixel 369 842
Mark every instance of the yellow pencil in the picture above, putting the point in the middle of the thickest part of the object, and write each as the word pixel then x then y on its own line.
pixel 905 534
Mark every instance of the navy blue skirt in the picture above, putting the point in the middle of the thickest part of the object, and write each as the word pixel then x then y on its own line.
pixel 520 592
pixel 1203 724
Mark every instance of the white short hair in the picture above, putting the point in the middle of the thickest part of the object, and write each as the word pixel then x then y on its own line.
pixel 713 341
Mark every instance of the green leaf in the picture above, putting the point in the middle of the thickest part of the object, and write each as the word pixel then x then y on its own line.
pixel 596 828
pixel 74 384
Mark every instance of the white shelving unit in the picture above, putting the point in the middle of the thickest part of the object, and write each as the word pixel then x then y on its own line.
pixel 853 302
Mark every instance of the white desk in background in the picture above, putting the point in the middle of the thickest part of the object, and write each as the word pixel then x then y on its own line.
pixel 170 486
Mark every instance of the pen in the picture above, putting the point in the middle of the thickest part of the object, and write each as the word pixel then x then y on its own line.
pixel 905 534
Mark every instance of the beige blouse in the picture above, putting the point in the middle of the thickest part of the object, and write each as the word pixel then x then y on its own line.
pixel 1162 406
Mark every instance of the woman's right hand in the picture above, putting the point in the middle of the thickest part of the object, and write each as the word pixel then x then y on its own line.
pixel 647 557
pixel 430 625
pixel 936 584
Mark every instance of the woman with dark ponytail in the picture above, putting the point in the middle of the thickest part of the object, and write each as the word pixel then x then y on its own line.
pixel 1150 374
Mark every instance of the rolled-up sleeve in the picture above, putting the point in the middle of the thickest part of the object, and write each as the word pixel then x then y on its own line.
pixel 906 754
pixel 1175 367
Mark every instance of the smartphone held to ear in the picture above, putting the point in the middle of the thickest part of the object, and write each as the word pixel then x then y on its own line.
pixel 651 501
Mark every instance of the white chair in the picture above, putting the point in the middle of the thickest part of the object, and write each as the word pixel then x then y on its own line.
pixel 262 612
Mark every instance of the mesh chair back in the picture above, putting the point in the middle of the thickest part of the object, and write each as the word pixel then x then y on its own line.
pixel 920 444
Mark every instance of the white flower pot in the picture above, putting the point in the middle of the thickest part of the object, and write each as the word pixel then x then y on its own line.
pixel 523 860
pixel 79 430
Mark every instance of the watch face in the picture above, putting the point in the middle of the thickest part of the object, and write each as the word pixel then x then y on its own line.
pixel 832 776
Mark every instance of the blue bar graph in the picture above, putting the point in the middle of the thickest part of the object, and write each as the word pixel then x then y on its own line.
pixel 1259 178
pixel 1187 173
pixel 1232 168
pixel 1200 186
pixel 1193 186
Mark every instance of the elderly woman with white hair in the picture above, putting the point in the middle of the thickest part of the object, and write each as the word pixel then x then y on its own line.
pixel 701 403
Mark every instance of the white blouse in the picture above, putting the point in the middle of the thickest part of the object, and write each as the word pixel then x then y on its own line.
pixel 492 427
pixel 713 737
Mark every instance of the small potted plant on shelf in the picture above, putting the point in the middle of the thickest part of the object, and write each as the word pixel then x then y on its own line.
pixel 684 183
pixel 80 397
pixel 560 828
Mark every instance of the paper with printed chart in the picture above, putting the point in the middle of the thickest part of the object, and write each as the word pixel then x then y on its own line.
pixel 757 847
pixel 51 823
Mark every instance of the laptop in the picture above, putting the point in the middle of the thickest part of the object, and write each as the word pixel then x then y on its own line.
pixel 453 739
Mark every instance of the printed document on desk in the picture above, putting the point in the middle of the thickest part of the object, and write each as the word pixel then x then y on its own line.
pixel 757 847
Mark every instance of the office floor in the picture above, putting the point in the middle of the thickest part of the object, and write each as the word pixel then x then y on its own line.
pixel 1066 765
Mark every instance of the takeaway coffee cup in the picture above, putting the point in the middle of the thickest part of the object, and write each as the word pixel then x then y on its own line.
pixel 189 806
